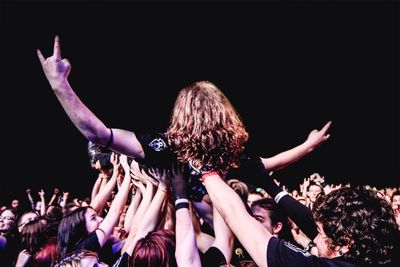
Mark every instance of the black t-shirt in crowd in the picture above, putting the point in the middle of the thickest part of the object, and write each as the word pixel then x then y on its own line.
pixel 284 254
pixel 122 261
pixel 158 154
pixel 213 257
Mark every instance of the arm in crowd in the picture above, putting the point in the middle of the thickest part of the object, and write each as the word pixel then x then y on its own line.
pixel 133 207
pixel 296 211
pixel 254 237
pixel 98 202
pixel 186 252
pixel 57 70
pixel 43 203
pixel 54 196
pixel 283 159
pixel 117 206
pixel 64 199
pixel 30 198
pixel 96 187
pixel 147 193
pixel 152 215
pixel 224 238
pixel 205 210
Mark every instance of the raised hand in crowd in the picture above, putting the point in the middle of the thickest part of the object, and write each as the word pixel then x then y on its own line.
pixel 283 159
pixel 56 192
pixel 186 253
pixel 42 202
pixel 30 198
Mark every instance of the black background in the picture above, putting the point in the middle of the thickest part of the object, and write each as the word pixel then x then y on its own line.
pixel 287 67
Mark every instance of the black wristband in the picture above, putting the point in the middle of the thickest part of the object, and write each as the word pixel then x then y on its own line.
pixel 110 139
pixel 182 205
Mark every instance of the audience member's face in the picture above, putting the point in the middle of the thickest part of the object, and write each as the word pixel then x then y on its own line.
pixel 396 201
pixel 92 220
pixel 92 261
pixel 25 218
pixel 295 193
pixel 262 215
pixel 15 203
pixel 7 219
pixel 323 243
pixel 313 192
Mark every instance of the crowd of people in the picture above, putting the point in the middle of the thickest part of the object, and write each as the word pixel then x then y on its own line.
pixel 195 196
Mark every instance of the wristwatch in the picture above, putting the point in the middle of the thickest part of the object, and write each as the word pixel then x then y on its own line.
pixel 309 246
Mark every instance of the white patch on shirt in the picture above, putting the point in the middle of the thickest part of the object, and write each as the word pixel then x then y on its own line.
pixel 297 249
pixel 158 144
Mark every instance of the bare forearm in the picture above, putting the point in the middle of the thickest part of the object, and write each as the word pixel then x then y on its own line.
pixel 229 205
pixel 96 187
pixel 100 199
pixel 86 122
pixel 186 248
pixel 130 213
pixel 53 197
pixel 287 157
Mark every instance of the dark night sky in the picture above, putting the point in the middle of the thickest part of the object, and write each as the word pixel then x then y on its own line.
pixel 287 68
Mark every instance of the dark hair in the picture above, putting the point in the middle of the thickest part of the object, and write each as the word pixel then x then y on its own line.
pixel 33 236
pixel 359 218
pixel 71 230
pixel 156 249
pixel 104 160
pixel 395 193
pixel 276 215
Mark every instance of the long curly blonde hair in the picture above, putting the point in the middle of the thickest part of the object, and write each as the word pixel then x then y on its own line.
pixel 205 128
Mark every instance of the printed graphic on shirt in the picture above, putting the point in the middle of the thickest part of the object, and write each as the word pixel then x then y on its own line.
pixel 297 249
pixel 158 144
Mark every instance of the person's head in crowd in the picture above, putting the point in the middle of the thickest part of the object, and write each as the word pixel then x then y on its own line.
pixel 205 128
pixel 81 258
pixel 254 196
pixel 46 256
pixel 99 158
pixel 266 211
pixel 395 199
pixel 33 236
pixel 85 202
pixel 240 188
pixel 295 193
pixel 15 203
pixel 75 226
pixel 25 218
pixel 355 223
pixel 313 191
pixel 69 207
pixel 155 249
pixel 7 221
pixel 302 200
pixel 54 213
